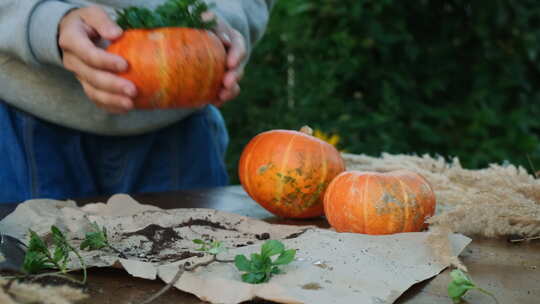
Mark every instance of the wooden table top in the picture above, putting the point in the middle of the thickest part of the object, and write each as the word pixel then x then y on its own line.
pixel 510 271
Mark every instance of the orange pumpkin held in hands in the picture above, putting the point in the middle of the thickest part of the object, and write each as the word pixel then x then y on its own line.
pixel 172 67
pixel 379 203
pixel 287 172
pixel 174 58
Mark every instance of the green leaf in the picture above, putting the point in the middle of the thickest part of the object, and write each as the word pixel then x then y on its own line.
pixel 460 277
pixel 272 247
pixel 36 244
pixel 93 241
pixel 38 256
pixel 61 253
pixel 35 262
pixel 456 291
pixel 173 13
pixel 212 248
pixel 242 263
pixel 257 261
pixel 249 278
pixel 96 239
pixel 261 268
pixel 104 232
pixel 254 278
pixel 459 285
pixel 266 266
pixel 286 257
pixel 216 248
pixel 58 236
pixel 275 270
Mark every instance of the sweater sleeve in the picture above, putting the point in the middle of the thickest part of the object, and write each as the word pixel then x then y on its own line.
pixel 249 17
pixel 30 28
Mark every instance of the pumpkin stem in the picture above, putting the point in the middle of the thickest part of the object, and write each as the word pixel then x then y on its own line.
pixel 172 13
pixel 306 130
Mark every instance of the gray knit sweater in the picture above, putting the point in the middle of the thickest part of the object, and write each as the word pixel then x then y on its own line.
pixel 33 79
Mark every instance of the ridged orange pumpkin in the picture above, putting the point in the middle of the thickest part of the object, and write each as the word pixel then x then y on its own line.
pixel 379 203
pixel 172 67
pixel 287 172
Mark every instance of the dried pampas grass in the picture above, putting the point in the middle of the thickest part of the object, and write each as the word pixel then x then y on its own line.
pixel 497 201
pixel 491 202
pixel 13 292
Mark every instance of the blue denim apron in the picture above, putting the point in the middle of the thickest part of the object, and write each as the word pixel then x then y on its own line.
pixel 43 160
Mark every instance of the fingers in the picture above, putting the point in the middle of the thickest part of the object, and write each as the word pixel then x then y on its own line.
pixel 107 90
pixel 231 38
pixel 231 78
pixel 231 88
pixel 113 103
pixel 76 37
pixel 236 53
pixel 229 94
pixel 99 20
pixel 93 66
pixel 99 79
pixel 74 42
pixel 237 50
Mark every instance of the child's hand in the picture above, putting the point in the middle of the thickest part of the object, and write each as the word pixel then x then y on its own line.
pixel 236 53
pixel 93 66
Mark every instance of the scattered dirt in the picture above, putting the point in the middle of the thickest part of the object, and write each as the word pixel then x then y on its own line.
pixel 321 265
pixel 181 256
pixel 295 235
pixel 243 245
pixel 204 222
pixel 312 286
pixel 262 236
pixel 160 237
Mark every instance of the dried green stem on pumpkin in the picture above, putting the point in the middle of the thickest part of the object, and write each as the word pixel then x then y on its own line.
pixel 173 13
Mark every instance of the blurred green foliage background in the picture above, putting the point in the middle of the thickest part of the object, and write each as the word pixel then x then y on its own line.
pixel 451 78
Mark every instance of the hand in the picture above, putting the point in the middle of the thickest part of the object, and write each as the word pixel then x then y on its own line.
pixel 236 53
pixel 93 66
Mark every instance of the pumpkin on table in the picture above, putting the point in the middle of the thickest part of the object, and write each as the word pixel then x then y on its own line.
pixel 379 203
pixel 174 60
pixel 287 171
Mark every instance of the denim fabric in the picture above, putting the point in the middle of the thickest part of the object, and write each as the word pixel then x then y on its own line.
pixel 43 160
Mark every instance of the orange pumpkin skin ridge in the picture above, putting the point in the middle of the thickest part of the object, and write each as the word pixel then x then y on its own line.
pixel 172 67
pixel 379 203
pixel 287 172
